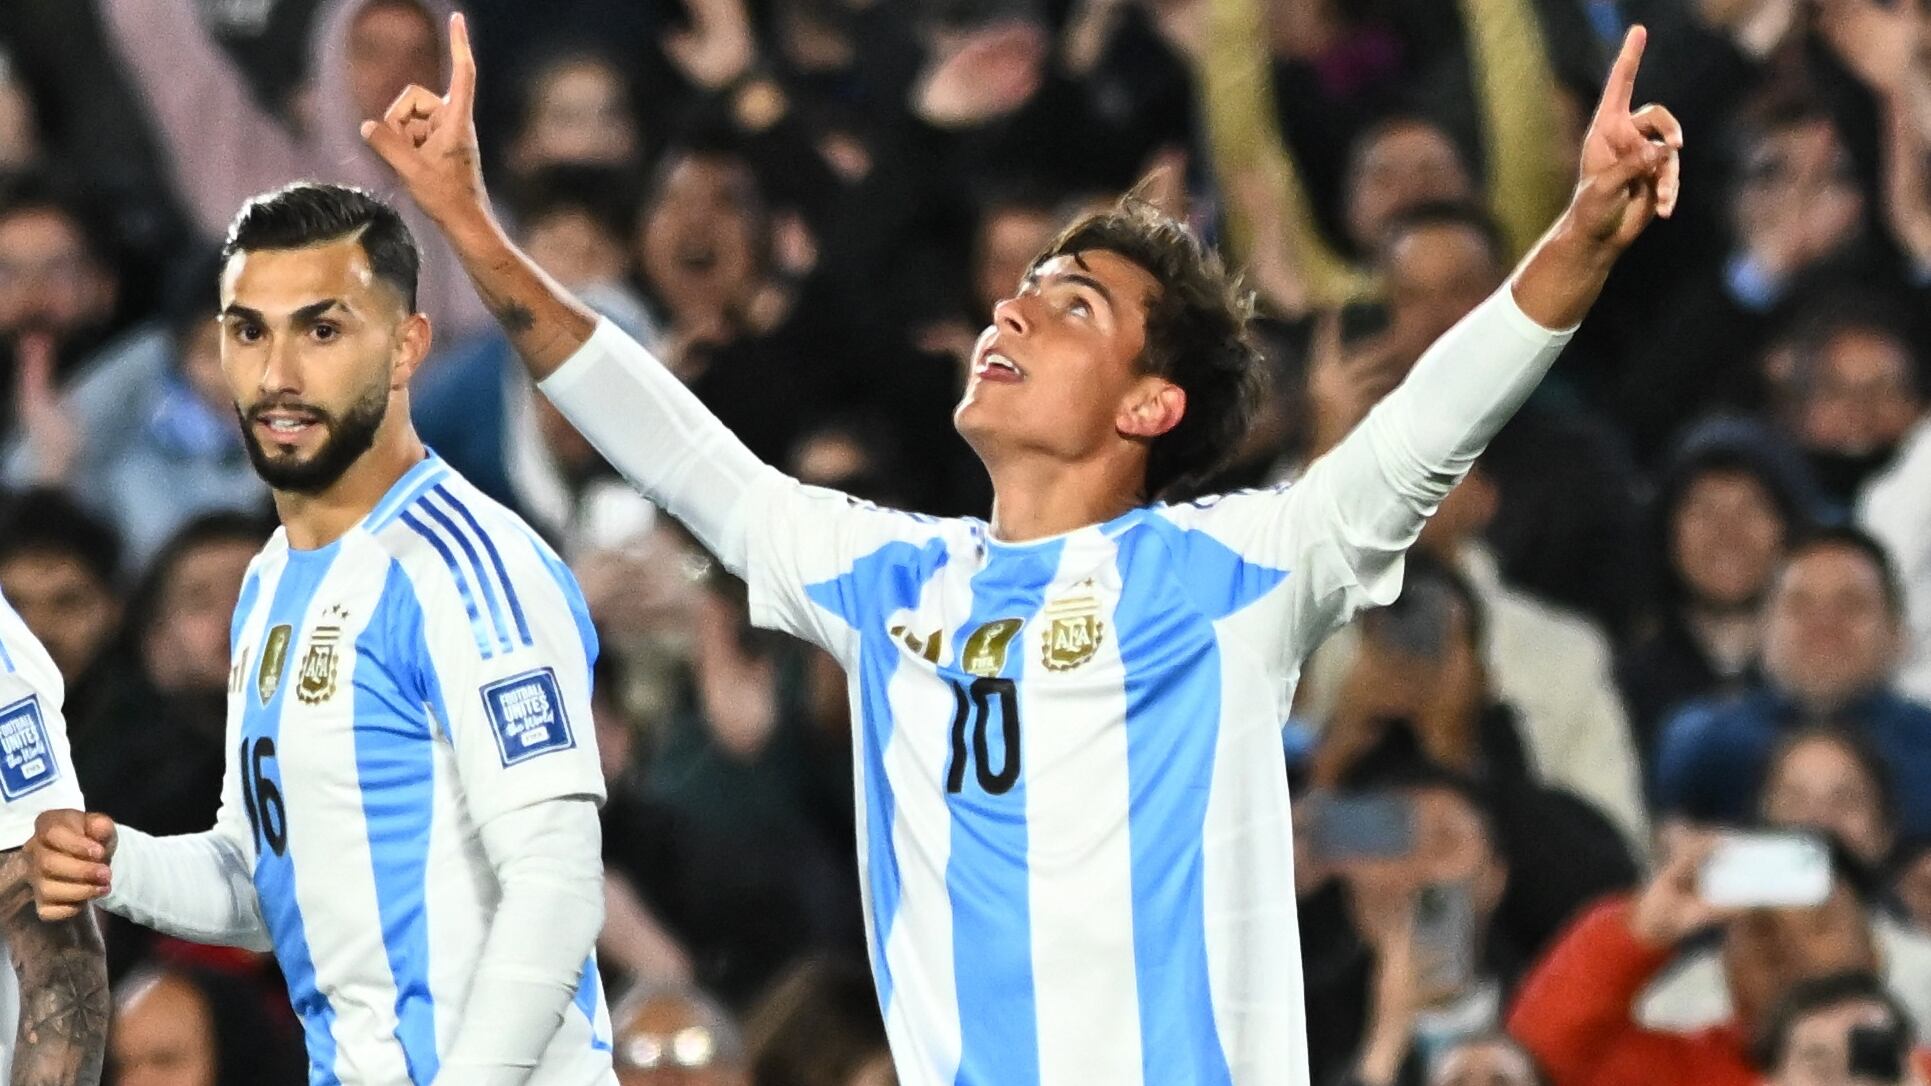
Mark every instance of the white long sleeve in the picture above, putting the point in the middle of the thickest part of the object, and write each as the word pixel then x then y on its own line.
pixel 548 860
pixel 667 443
pixel 194 886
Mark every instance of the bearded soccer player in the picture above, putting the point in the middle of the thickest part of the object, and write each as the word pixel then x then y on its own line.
pixel 1072 806
pixel 57 986
pixel 408 817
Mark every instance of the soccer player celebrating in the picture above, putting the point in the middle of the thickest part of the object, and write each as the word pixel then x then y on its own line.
pixel 408 818
pixel 57 985
pixel 1073 812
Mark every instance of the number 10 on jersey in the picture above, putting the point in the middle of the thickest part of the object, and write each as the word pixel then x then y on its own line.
pixel 976 705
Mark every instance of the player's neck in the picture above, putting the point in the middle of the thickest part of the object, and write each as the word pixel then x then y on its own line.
pixel 316 520
pixel 1039 499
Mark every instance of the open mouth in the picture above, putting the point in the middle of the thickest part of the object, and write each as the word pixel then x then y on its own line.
pixel 285 425
pixel 994 366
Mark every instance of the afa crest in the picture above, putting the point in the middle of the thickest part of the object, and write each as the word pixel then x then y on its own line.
pixel 1073 633
pixel 274 653
pixel 317 682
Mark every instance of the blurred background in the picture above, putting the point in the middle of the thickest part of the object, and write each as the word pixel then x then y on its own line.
pixel 1690 586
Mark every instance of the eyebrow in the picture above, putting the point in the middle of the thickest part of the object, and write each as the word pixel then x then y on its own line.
pixel 301 318
pixel 1078 278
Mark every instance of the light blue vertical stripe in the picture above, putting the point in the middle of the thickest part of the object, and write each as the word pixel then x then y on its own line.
pixel 475 565
pixel 244 607
pixel 589 993
pixel 483 645
pixel 1174 583
pixel 987 874
pixel 496 560
pixel 889 579
pixel 275 877
pixel 396 774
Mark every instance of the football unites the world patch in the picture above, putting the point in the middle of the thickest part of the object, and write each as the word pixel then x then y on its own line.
pixel 526 714
pixel 27 762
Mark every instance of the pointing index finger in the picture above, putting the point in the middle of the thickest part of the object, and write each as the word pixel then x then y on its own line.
pixel 1620 89
pixel 462 64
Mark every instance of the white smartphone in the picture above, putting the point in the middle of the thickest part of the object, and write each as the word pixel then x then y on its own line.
pixel 1765 870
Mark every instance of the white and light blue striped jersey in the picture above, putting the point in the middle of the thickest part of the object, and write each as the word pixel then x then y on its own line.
pixel 36 770
pixel 391 693
pixel 1073 806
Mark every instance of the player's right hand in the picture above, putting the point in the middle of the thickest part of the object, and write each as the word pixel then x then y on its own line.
pixel 430 140
pixel 67 861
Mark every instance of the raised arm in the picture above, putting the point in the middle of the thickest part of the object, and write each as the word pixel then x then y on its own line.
pixel 637 414
pixel 1344 527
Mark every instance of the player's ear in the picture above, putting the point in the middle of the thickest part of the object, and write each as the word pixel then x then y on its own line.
pixel 416 335
pixel 1152 408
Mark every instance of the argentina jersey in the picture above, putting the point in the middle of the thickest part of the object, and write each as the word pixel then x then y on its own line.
pixel 1072 803
pixel 36 770
pixel 391 693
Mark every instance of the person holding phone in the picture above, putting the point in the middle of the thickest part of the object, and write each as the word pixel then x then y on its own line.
pixel 1576 1012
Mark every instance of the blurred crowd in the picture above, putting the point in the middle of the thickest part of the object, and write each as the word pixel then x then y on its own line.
pixel 1688 587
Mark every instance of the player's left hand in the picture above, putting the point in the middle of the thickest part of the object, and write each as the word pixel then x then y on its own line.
pixel 1630 159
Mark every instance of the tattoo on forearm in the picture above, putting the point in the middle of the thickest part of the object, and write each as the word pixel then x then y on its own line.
pixel 64 1003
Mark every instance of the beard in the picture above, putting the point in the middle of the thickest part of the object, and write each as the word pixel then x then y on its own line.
pixel 347 438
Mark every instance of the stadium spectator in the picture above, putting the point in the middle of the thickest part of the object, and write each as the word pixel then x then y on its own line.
pixel 179 1026
pixel 1829 781
pixel 1419 680
pixel 1730 499
pixel 1812 1038
pixel 478 411
pixel 1845 386
pixel 362 53
pixel 668 1036
pixel 59 568
pixel 578 110
pixel 1404 953
pixel 59 286
pixel 1493 1060
pixel 1577 1010
pixel 1896 510
pixel 163 767
pixel 144 435
pixel 1831 643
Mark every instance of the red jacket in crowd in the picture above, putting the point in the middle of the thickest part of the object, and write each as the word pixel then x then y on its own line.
pixel 1577 1015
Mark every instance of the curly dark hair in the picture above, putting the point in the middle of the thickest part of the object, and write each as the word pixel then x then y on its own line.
pixel 1197 336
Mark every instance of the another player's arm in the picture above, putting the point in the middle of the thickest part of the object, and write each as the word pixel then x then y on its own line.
pixel 62 967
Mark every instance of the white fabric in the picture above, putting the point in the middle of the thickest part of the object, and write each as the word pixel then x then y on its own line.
pixel 1105 894
pixel 394 692
pixel 548 859
pixel 1896 508
pixel 1555 668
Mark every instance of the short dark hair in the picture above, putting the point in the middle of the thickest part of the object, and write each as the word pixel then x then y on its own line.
pixel 1449 214
pixel 1854 538
pixel 1854 744
pixel 308 213
pixel 1197 336
pixel 607 195
pixel 48 522
pixel 208 528
pixel 1808 997
pixel 35 192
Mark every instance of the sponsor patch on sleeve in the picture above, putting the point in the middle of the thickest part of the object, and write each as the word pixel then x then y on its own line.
pixel 526 713
pixel 27 761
